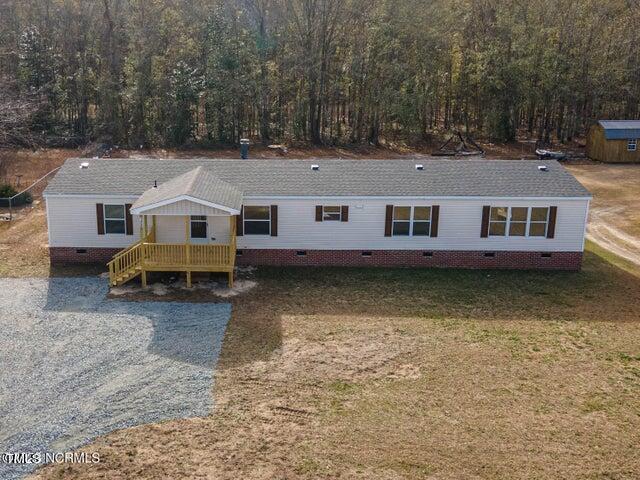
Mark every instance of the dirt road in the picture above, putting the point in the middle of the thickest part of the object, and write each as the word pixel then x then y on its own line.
pixel 614 219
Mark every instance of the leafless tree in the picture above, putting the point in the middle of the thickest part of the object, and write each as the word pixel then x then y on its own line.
pixel 17 111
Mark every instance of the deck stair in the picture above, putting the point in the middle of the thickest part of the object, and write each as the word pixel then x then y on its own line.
pixel 128 275
pixel 126 265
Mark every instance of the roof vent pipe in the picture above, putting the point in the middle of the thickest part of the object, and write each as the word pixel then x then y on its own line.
pixel 244 148
pixel 155 184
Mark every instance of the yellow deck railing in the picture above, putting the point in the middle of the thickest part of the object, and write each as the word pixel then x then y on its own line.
pixel 124 263
pixel 146 256
pixel 183 257
pixel 126 260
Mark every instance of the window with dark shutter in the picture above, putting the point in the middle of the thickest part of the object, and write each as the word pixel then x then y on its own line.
pixel 331 213
pixel 257 220
pixel 115 222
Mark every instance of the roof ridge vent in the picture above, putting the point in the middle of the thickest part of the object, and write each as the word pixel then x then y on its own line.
pixel 419 166
pixel 315 167
pixel 543 168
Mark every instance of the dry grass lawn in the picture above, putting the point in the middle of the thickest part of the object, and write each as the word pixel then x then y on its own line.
pixel 385 374
pixel 330 373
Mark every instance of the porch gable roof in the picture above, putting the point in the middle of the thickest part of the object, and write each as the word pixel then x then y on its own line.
pixel 198 186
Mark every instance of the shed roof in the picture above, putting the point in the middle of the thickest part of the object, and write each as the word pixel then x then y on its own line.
pixel 335 177
pixel 620 129
pixel 197 185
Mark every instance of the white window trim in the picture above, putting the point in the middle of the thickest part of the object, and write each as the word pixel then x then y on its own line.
pixel 245 220
pixel 632 145
pixel 339 219
pixel 105 218
pixel 527 226
pixel 412 220
pixel 192 221
pixel 545 222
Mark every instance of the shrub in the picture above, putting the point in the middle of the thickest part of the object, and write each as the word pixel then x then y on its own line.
pixel 7 191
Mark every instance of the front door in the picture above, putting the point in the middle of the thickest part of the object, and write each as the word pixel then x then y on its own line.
pixel 199 229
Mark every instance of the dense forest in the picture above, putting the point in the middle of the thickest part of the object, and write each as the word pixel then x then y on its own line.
pixel 208 72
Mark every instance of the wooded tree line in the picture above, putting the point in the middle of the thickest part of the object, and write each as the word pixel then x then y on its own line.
pixel 171 72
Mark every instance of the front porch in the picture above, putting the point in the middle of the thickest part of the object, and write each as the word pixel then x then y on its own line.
pixel 147 255
pixel 187 224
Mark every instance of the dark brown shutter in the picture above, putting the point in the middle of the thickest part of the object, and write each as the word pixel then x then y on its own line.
pixel 240 223
pixel 318 213
pixel 345 213
pixel 129 219
pixel 435 218
pixel 274 220
pixel 388 221
pixel 100 218
pixel 551 229
pixel 484 229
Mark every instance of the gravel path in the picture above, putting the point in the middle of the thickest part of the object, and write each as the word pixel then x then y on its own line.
pixel 74 365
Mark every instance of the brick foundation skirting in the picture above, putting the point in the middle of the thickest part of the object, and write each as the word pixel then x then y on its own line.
pixel 68 255
pixel 413 258
pixel 359 258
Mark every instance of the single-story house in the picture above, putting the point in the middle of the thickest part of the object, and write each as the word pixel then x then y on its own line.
pixel 191 215
pixel 614 141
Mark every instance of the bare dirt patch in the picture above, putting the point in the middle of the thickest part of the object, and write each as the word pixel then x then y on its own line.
pixel 614 221
pixel 135 291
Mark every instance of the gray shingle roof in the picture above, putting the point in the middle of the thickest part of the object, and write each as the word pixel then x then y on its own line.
pixel 197 183
pixel 620 129
pixel 278 177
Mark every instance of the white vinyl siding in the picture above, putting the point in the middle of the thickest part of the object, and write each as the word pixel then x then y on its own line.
pixel 185 207
pixel 459 226
pixel 73 223
pixel 171 229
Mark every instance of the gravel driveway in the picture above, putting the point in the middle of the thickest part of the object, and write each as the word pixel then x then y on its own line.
pixel 74 365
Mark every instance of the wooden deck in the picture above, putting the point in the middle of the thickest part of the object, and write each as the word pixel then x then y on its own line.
pixel 149 256
pixel 144 257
